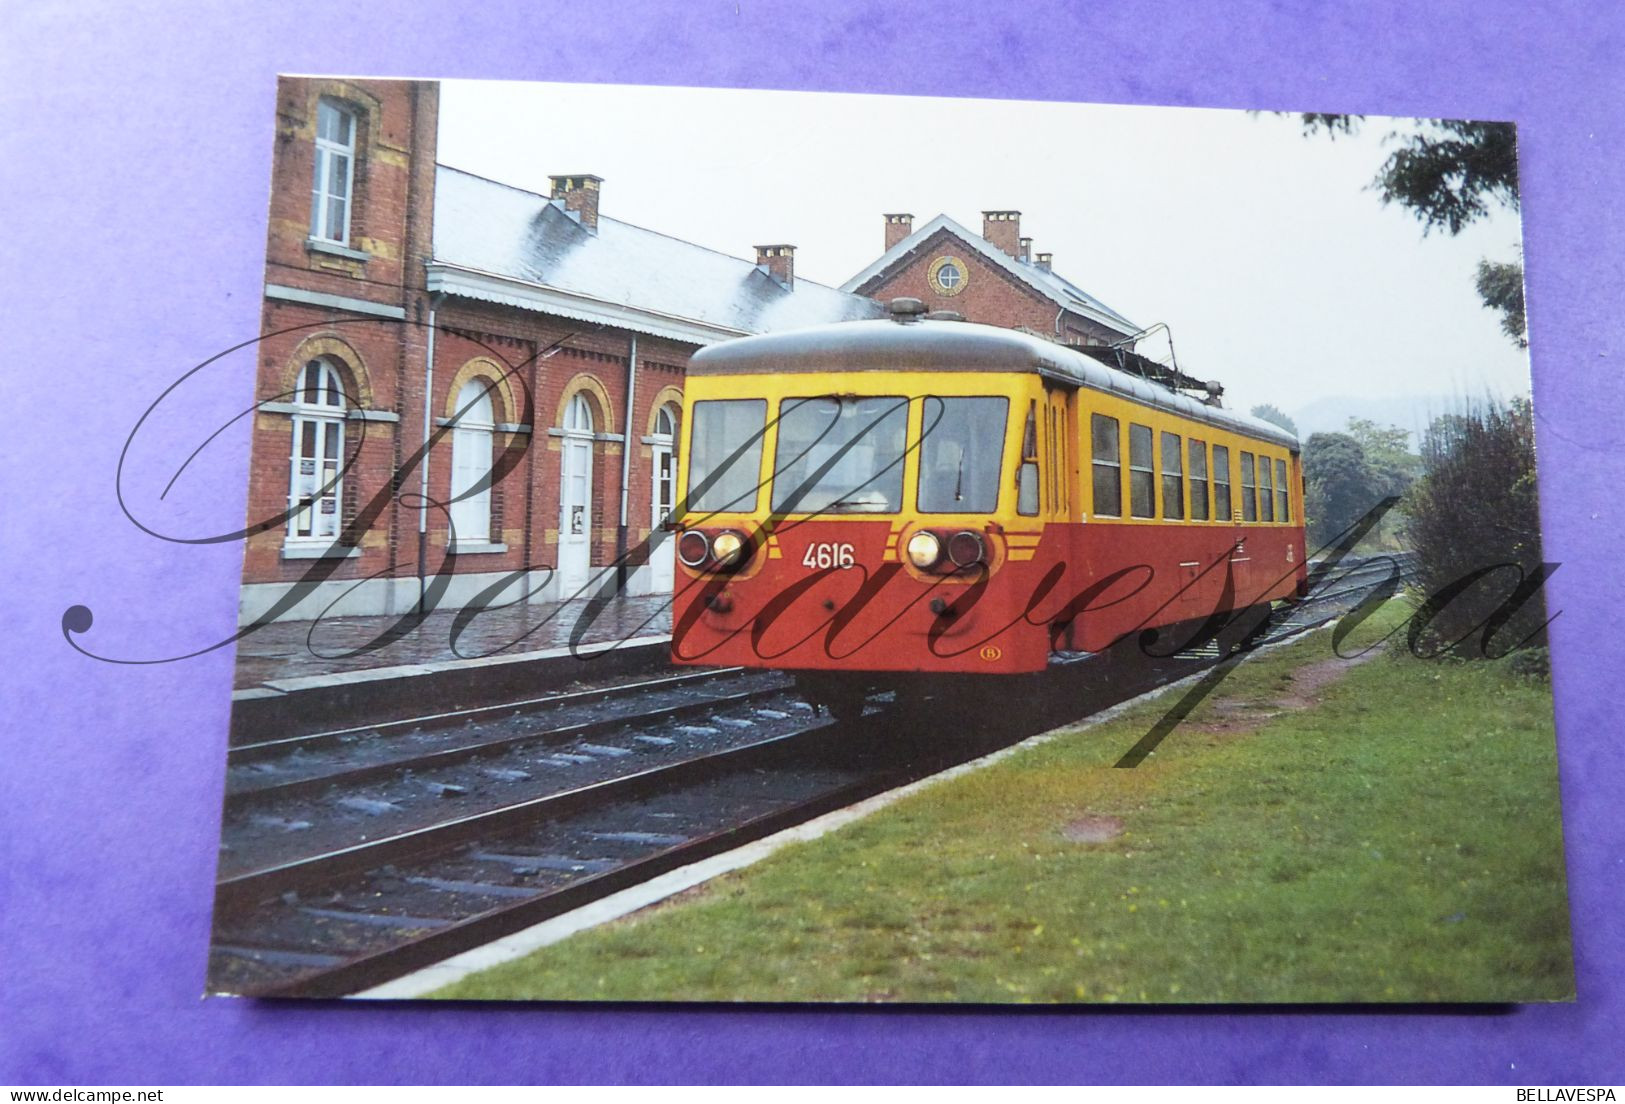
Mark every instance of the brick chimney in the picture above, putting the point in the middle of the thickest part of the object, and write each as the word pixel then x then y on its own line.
pixel 779 262
pixel 1044 260
pixel 1002 229
pixel 898 227
pixel 580 196
pixel 1026 253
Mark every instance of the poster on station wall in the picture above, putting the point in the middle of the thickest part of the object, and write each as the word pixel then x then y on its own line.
pixel 741 546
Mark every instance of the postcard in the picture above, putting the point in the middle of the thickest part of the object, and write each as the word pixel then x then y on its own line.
pixel 739 546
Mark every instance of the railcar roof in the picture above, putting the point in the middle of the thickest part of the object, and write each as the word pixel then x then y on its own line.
pixel 942 346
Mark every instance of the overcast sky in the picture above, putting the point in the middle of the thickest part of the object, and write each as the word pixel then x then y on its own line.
pixel 1276 267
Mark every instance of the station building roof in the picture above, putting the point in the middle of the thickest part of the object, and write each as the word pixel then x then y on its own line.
pixel 506 245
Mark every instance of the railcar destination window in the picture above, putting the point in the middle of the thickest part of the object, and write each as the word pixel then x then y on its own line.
pixel 840 454
pixel 717 478
pixel 1106 443
pixel 961 447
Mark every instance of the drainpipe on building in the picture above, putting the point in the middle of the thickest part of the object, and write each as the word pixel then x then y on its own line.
pixel 626 463
pixel 423 467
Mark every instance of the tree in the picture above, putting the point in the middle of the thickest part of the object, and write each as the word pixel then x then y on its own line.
pixel 1500 285
pixel 1388 452
pixel 1271 413
pixel 1340 486
pixel 1449 173
pixel 1475 507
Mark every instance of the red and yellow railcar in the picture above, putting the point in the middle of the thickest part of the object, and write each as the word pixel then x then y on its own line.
pixel 868 499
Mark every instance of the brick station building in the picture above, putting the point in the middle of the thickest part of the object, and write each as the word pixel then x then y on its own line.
pixel 426 331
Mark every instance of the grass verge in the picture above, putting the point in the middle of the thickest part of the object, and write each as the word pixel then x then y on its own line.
pixel 1315 831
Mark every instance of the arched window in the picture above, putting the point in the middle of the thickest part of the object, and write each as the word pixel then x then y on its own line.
pixel 663 446
pixel 578 415
pixel 471 463
pixel 575 497
pixel 314 487
pixel 332 186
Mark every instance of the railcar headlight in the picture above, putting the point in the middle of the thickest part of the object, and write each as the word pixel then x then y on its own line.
pixel 966 548
pixel 924 549
pixel 693 549
pixel 728 548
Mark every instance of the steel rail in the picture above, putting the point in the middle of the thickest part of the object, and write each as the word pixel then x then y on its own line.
pixel 241 892
pixel 263 749
pixel 386 964
pixel 364 773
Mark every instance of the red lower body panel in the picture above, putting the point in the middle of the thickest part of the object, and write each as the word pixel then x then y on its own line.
pixel 1081 587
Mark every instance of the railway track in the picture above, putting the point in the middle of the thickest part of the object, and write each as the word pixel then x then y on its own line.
pixel 361 899
pixel 272 770
pixel 385 907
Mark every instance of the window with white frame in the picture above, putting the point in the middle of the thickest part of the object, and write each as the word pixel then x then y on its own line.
pixel 578 415
pixel 665 462
pixel 333 184
pixel 314 487
pixel 471 463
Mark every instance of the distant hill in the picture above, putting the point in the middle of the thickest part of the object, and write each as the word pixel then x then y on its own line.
pixel 1412 412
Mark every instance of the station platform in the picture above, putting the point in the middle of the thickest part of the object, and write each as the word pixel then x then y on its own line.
pixel 306 675
pixel 296 649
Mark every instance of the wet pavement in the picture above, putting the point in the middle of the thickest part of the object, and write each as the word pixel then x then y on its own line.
pixel 291 649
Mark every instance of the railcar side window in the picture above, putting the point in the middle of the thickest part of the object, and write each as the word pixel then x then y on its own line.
pixel 840 454
pixel 960 454
pixel 1027 473
pixel 1266 490
pixel 1049 456
pixel 1198 466
pixel 1249 496
pixel 1142 477
pixel 1173 478
pixel 1063 471
pixel 725 454
pixel 1283 500
pixel 1106 445
pixel 1222 510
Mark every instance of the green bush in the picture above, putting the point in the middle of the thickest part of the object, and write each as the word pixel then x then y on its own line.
pixel 1535 663
pixel 1473 520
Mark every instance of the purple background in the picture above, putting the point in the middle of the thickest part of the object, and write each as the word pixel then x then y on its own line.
pixel 137 142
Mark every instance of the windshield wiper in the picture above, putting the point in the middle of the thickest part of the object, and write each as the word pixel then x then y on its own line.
pixel 863 504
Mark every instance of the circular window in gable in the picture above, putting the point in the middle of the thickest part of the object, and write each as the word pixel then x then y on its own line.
pixel 948 275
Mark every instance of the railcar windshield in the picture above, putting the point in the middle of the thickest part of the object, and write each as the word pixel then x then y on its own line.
pixel 725 454
pixel 961 452
pixel 840 454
